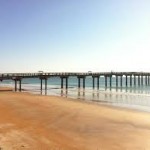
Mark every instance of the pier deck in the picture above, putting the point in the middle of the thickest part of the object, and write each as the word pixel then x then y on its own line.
pixel 17 77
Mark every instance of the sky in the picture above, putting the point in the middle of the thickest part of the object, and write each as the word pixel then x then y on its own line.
pixel 74 35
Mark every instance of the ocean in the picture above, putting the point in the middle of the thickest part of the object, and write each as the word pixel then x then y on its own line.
pixel 132 97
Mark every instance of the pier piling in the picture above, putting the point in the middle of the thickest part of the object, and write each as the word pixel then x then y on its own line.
pixel 138 80
pixel 121 81
pixel 126 80
pixel 79 81
pixel 105 81
pixel 130 80
pixel 97 82
pixel 62 81
pixel 110 81
pixel 15 85
pixel 116 81
pixel 41 84
pixel 141 79
pixel 20 85
pixel 93 82
pixel 84 82
pixel 134 80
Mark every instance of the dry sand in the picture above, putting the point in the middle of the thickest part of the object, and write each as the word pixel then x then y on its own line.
pixel 35 122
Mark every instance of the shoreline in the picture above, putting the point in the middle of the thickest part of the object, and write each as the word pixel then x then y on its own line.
pixel 116 100
pixel 29 121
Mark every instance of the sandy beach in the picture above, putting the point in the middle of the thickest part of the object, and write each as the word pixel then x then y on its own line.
pixel 36 122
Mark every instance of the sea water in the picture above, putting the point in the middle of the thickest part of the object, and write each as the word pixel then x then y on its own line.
pixel 134 97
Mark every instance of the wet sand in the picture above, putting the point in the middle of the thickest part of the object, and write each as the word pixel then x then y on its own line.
pixel 37 122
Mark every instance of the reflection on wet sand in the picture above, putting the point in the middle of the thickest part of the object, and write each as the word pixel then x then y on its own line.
pixel 64 93
pixel 81 94
pixel 123 97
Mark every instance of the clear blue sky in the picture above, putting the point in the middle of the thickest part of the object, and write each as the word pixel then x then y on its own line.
pixel 74 35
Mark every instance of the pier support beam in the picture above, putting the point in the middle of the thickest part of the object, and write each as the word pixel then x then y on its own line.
pixel 45 80
pixel 110 81
pixel 16 81
pixel 146 80
pixel 41 84
pixel 126 80
pixel 130 80
pixel 45 84
pixel 62 81
pixel 134 80
pixel 79 81
pixel 20 85
pixel 67 83
pixel 116 81
pixel 97 82
pixel 95 77
pixel 84 83
pixel 121 81
pixel 138 80
pixel 93 82
pixel 142 80
pixel 105 81
pixel 15 85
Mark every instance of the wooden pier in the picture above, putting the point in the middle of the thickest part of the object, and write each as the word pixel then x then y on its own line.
pixel 136 78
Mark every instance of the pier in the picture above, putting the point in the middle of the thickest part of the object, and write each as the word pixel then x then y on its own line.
pixel 131 78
